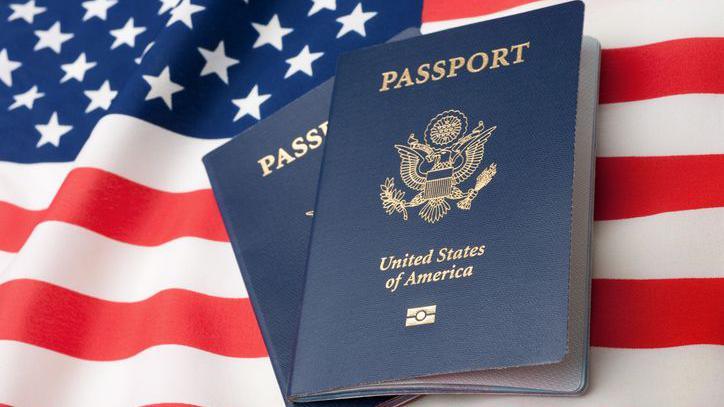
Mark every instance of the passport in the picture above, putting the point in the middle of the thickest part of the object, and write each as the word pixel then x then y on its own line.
pixel 450 242
pixel 265 182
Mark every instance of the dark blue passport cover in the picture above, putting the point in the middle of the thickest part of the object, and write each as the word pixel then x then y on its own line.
pixel 512 308
pixel 267 219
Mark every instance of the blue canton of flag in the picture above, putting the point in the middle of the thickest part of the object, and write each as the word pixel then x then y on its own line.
pixel 202 68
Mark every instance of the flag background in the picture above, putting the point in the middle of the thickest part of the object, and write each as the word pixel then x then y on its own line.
pixel 117 282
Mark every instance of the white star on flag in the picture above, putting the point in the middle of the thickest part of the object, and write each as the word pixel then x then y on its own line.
pixel 322 4
pixel 7 67
pixel 302 62
pixel 97 8
pixel 52 131
pixel 355 21
pixel 77 69
pixel 101 98
pixel 250 104
pixel 126 34
pixel 51 38
pixel 26 99
pixel 167 5
pixel 26 11
pixel 271 33
pixel 162 87
pixel 183 13
pixel 217 62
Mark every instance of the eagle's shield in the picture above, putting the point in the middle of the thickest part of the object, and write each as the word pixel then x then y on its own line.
pixel 438 183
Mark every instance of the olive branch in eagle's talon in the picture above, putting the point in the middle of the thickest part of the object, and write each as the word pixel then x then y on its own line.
pixel 393 199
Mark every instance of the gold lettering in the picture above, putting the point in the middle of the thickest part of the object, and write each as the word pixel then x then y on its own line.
pixel 418 260
pixel 466 252
pixel 384 267
pixel 441 255
pixel 411 279
pixel 427 259
pixel 387 78
pixel 424 278
pixel 439 69
pixel 283 157
pixel 423 74
pixel 313 138
pixel 266 163
pixel 405 78
pixel 483 62
pixel 445 254
pixel 455 64
pixel 499 56
pixel 519 51
pixel 300 147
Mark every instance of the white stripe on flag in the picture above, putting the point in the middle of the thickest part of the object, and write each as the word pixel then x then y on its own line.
pixel 33 376
pixel 5 260
pixel 147 154
pixel 684 244
pixel 123 145
pixel 83 261
pixel 31 186
pixel 675 125
pixel 624 23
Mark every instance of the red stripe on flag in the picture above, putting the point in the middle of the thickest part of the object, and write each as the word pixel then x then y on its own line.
pixel 657 313
pixel 16 224
pixel 628 187
pixel 437 10
pixel 62 320
pixel 691 65
pixel 120 209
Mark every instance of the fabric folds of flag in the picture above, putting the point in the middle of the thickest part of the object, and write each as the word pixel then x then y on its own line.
pixel 117 282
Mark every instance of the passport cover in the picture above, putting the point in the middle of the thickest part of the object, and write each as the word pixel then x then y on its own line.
pixel 441 240
pixel 569 376
pixel 265 183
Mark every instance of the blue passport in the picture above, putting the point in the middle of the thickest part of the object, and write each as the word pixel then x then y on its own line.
pixel 451 232
pixel 265 183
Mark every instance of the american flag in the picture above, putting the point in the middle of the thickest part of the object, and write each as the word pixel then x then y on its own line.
pixel 117 282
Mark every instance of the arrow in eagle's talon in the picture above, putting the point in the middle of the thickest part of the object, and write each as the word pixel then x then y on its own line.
pixel 466 202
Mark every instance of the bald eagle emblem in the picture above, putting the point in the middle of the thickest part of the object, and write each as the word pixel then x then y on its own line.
pixel 438 166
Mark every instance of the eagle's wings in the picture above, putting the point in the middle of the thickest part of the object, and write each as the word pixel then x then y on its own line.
pixel 411 160
pixel 472 155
